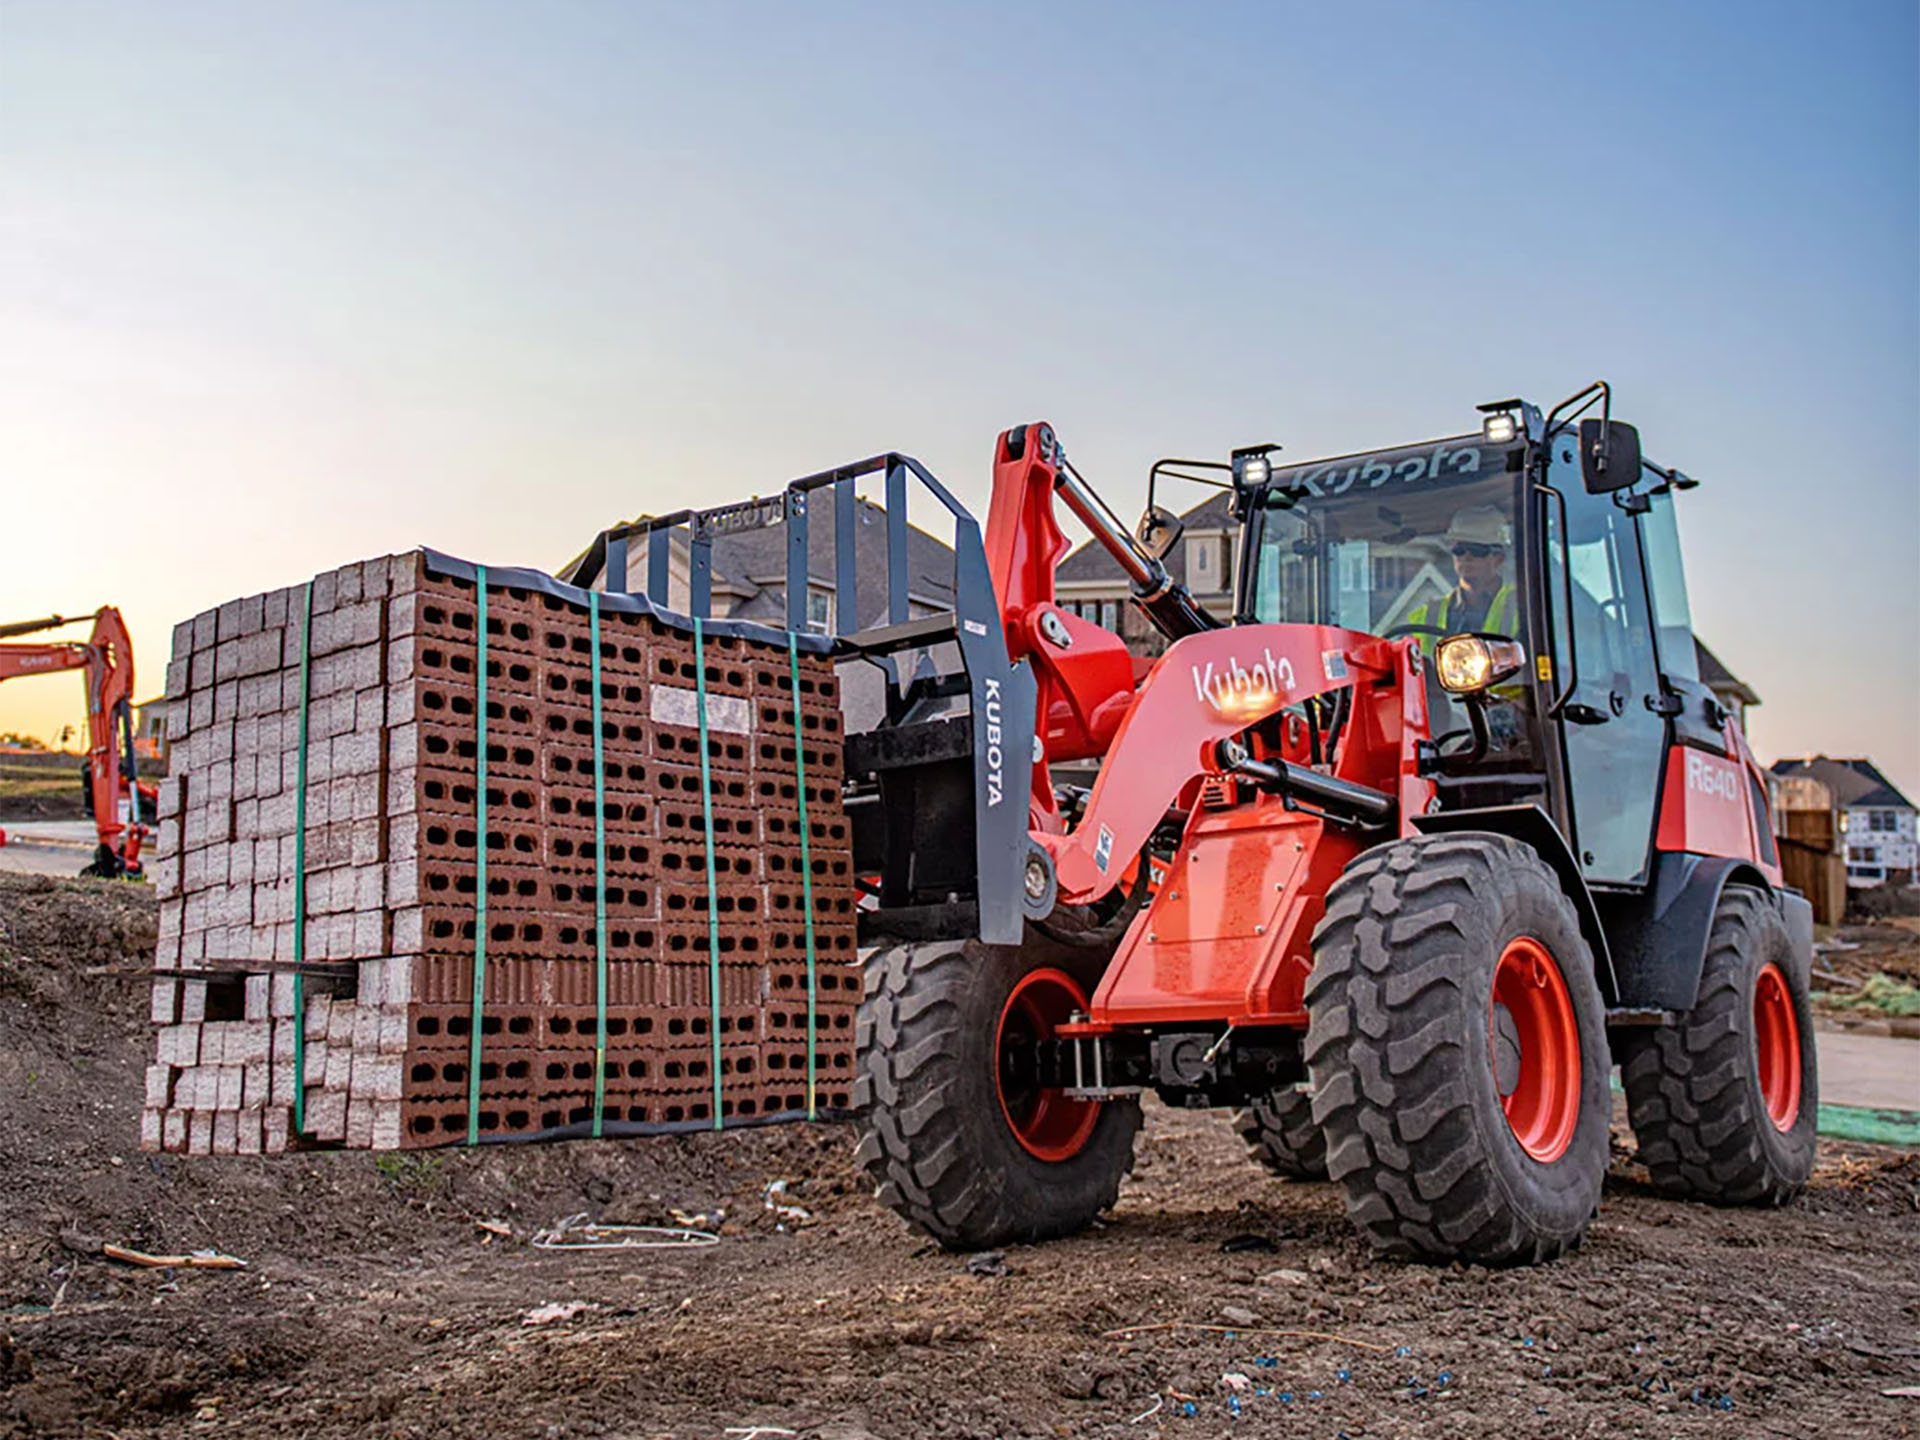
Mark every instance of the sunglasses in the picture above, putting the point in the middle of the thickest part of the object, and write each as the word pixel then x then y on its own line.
pixel 1477 552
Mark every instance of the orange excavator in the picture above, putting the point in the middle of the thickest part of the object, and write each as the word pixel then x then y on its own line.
pixel 121 805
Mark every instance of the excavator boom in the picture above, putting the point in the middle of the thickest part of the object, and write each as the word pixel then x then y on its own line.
pixel 113 787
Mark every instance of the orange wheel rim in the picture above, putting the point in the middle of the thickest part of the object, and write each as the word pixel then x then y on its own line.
pixel 1049 1124
pixel 1533 1039
pixel 1776 1033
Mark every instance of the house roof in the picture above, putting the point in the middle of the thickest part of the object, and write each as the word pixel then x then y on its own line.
pixel 1721 680
pixel 751 565
pixel 1855 783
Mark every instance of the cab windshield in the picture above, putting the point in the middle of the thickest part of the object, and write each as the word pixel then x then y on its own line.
pixel 1415 541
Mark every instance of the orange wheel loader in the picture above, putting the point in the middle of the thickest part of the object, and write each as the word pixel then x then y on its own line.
pixel 1397 861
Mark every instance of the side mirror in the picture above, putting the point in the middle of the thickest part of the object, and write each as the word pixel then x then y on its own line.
pixel 1613 466
pixel 1159 531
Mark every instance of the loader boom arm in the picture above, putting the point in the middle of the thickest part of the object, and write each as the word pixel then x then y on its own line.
pixel 1085 674
pixel 1204 690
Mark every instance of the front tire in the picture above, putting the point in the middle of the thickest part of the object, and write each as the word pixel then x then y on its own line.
pixel 954 1133
pixel 1457 1044
pixel 1725 1103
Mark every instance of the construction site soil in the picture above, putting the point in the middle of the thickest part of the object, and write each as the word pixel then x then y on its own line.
pixel 40 793
pixel 375 1303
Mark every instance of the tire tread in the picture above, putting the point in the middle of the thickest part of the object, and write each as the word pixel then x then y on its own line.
pixel 1695 1107
pixel 1282 1136
pixel 1384 1050
pixel 921 1134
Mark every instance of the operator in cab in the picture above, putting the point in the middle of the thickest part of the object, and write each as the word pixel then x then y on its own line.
pixel 1481 600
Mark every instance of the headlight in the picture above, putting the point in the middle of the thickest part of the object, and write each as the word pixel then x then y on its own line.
pixel 1466 663
pixel 1500 429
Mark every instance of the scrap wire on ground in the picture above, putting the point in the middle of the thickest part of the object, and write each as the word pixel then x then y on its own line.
pixel 577 1233
pixel 1129 1331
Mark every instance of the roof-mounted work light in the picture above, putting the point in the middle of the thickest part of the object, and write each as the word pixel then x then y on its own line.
pixel 1502 423
pixel 1253 465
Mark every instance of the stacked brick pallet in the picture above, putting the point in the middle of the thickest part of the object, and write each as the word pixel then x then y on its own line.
pixel 320 870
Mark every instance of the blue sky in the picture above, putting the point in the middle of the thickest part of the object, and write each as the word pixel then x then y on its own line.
pixel 280 288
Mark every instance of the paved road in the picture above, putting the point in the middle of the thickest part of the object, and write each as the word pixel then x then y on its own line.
pixel 50 832
pixel 1874 1072
pixel 47 847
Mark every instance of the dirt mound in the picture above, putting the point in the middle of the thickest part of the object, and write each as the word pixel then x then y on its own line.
pixel 53 931
pixel 44 805
pixel 1884 901
pixel 75 961
pixel 42 787
pixel 374 1305
pixel 74 982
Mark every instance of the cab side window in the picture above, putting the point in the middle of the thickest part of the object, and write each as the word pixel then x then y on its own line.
pixel 1667 579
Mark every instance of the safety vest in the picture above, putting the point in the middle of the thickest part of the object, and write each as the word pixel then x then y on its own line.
pixel 1498 621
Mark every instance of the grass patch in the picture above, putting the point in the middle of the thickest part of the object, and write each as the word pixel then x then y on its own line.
pixel 411 1176
pixel 1884 995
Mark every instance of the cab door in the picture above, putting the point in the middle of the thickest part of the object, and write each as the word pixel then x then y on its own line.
pixel 1614 739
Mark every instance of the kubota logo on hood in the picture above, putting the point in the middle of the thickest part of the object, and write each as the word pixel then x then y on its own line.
pixel 1240 687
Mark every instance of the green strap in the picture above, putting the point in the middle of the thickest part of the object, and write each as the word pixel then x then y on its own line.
pixel 806 864
pixel 713 888
pixel 599 880
pixel 479 865
pixel 300 882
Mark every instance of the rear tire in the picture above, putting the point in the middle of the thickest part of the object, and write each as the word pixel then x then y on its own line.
pixel 936 1116
pixel 1722 1110
pixel 1462 1129
pixel 1282 1135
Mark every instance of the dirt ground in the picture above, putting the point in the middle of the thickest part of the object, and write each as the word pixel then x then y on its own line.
pixel 374 1305
pixel 41 788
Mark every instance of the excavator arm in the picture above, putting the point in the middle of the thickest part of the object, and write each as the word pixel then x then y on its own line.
pixel 113 786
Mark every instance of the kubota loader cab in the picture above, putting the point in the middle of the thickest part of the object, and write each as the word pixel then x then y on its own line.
pixel 1447 826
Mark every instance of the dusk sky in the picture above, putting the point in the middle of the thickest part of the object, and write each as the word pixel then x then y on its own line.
pixel 283 287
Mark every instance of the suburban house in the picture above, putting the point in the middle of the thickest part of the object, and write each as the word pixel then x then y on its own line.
pixel 1733 693
pixel 748 581
pixel 749 571
pixel 1091 585
pixel 1810 826
pixel 1877 820
pixel 150 728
